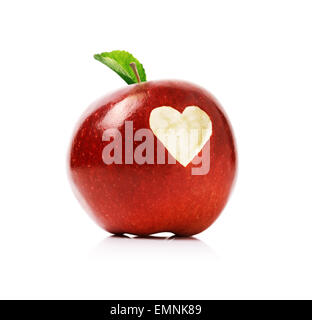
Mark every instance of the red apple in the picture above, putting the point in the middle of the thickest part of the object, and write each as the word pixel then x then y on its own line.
pixel 147 198
pixel 153 157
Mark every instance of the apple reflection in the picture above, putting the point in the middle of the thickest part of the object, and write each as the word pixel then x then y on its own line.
pixel 153 247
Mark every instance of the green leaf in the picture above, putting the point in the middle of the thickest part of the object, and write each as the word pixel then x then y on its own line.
pixel 119 61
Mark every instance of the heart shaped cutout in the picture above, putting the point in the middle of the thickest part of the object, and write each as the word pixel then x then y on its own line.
pixel 183 134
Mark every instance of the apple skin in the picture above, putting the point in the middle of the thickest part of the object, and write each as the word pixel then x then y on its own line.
pixel 151 198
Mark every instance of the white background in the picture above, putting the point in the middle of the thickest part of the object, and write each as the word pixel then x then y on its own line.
pixel 254 56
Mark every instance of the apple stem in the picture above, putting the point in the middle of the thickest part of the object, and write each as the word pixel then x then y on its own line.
pixel 135 70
